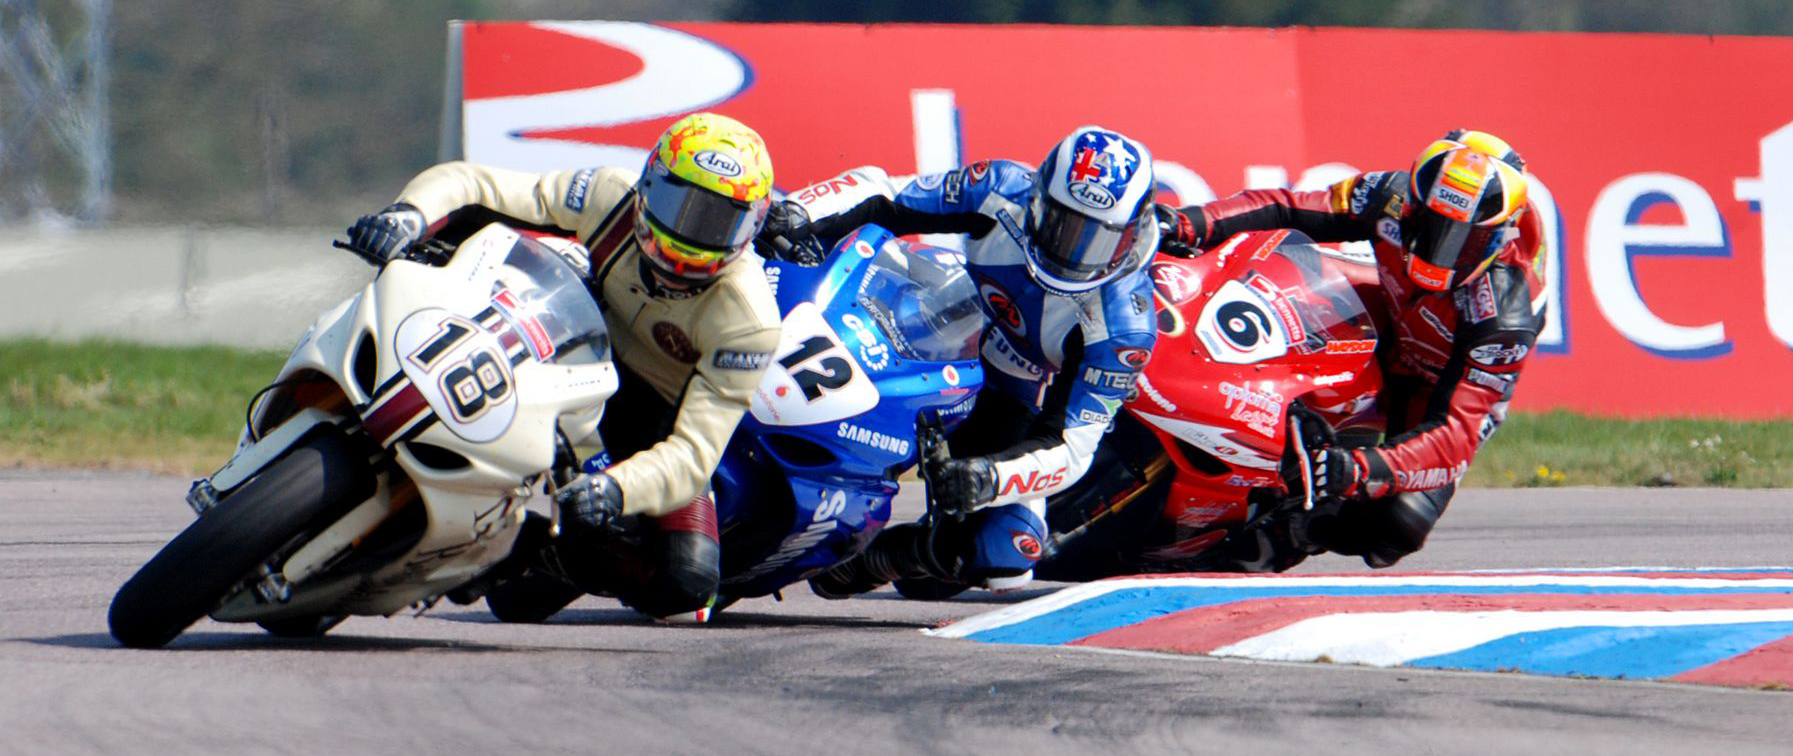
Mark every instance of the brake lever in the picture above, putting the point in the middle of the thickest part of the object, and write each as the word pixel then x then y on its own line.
pixel 358 252
pixel 931 438
pixel 1301 458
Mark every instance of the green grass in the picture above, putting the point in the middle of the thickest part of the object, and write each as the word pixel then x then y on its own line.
pixel 1562 448
pixel 117 405
pixel 178 410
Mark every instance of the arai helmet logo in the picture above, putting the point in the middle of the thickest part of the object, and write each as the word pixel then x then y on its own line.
pixel 1092 195
pixel 717 163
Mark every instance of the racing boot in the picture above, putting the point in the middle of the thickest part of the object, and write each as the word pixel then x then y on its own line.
pixel 1277 544
pixel 901 552
pixel 685 567
pixel 530 585
pixel 1384 530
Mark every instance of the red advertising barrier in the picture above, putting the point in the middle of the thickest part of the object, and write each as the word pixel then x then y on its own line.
pixel 1663 163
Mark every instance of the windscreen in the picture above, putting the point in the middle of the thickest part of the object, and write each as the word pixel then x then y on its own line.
pixel 924 301
pixel 1292 300
pixel 547 303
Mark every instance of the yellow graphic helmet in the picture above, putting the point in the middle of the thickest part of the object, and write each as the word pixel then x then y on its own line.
pixel 1467 188
pixel 702 195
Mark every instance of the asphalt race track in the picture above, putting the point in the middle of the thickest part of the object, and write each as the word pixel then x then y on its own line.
pixel 807 676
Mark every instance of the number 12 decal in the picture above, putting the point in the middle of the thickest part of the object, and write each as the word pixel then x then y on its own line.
pixel 816 380
pixel 812 382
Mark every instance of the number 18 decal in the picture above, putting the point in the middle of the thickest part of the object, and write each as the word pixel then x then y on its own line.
pixel 461 371
pixel 815 379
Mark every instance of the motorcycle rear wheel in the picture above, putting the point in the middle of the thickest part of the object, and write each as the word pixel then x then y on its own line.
pixel 196 571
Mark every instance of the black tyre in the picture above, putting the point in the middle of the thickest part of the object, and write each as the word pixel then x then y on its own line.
pixel 193 573
pixel 530 598
pixel 303 627
pixel 928 589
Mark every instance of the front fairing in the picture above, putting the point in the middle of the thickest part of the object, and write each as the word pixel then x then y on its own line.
pixel 808 477
pixel 1245 331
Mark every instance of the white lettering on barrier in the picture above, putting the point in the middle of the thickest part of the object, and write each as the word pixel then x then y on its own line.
pixel 1615 237
pixel 679 73
pixel 1772 194
pixel 934 115
pixel 1189 186
pixel 1554 336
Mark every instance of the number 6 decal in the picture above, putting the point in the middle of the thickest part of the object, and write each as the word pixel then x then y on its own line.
pixel 1238 328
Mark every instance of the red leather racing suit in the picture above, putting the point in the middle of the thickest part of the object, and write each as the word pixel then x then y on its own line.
pixel 1451 358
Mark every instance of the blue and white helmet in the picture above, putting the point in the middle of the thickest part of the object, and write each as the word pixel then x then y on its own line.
pixel 1091 217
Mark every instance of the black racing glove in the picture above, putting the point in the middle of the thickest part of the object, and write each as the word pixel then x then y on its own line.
pixel 1341 473
pixel 590 503
pixel 958 485
pixel 1177 234
pixel 787 236
pixel 385 234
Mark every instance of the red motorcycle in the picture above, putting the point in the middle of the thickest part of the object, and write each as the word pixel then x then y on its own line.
pixel 1265 347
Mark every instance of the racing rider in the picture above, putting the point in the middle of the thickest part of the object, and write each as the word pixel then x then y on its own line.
pixel 693 321
pixel 1058 257
pixel 1460 260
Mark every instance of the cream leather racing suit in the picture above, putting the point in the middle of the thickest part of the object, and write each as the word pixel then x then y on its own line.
pixel 703 351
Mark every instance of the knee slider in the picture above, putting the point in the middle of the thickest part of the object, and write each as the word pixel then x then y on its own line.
pixel 1411 517
pixel 689 574
pixel 1003 541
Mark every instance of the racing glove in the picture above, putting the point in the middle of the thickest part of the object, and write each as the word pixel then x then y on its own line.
pixel 592 502
pixel 960 485
pixel 787 236
pixel 1177 234
pixel 383 235
pixel 1340 473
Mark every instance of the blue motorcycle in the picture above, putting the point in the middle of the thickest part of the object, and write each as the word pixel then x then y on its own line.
pixel 877 362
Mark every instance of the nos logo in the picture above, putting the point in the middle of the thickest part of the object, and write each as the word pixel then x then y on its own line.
pixel 1034 482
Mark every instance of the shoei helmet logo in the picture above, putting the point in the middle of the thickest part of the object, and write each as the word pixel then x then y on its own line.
pixel 1028 545
pixel 717 163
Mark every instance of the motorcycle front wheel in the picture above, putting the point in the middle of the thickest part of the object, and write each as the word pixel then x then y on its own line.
pixel 196 571
pixel 530 598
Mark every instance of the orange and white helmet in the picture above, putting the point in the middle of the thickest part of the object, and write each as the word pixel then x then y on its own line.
pixel 1468 189
pixel 702 196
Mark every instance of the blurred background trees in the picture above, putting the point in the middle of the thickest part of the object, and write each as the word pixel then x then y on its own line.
pixel 286 111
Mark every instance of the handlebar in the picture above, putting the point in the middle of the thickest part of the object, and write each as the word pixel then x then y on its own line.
pixel 426 251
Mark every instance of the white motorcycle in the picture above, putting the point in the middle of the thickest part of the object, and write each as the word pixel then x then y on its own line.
pixel 392 461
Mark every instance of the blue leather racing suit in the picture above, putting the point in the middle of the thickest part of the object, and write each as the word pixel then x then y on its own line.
pixel 1057 367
